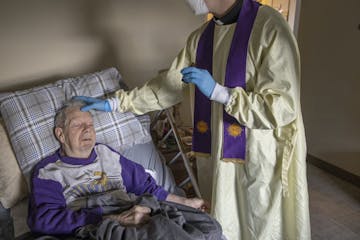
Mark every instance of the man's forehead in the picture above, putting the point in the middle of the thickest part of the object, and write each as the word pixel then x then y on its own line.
pixel 73 113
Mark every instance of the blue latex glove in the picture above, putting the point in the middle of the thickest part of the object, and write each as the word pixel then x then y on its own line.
pixel 201 78
pixel 94 103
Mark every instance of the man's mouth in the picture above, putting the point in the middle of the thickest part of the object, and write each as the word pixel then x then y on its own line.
pixel 87 139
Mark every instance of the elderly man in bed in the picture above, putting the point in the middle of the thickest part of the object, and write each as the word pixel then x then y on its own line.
pixel 88 190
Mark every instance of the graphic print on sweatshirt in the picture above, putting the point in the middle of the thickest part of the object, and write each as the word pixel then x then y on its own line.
pixel 100 175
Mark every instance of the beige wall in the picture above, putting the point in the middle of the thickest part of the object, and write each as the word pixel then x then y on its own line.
pixel 45 40
pixel 329 42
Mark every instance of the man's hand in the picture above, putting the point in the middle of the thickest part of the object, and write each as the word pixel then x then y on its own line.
pixel 94 103
pixel 201 78
pixel 136 216
pixel 197 203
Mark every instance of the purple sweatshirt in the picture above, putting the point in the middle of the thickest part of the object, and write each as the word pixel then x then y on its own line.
pixel 58 182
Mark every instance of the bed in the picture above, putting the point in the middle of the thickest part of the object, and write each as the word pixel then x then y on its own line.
pixel 26 135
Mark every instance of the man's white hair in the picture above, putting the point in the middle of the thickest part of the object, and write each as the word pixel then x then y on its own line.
pixel 60 118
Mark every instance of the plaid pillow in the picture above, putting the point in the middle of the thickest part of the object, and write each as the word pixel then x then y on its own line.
pixel 29 117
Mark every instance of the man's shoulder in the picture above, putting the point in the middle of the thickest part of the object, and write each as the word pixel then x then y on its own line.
pixel 271 19
pixel 47 160
pixel 195 35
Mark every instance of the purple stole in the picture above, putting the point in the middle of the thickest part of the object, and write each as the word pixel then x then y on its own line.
pixel 234 145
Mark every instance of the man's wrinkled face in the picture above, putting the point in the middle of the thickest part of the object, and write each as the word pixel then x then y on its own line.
pixel 78 135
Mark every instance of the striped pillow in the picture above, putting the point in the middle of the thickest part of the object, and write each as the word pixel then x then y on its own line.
pixel 29 117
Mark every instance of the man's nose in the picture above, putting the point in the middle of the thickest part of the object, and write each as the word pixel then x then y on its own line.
pixel 87 127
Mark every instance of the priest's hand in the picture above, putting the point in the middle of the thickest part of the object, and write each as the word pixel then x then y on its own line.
pixel 201 78
pixel 105 105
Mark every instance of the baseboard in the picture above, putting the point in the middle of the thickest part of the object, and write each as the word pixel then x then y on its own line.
pixel 334 170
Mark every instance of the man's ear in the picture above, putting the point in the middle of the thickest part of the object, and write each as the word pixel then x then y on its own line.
pixel 59 134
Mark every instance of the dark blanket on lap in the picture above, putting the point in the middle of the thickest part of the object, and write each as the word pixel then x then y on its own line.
pixel 168 221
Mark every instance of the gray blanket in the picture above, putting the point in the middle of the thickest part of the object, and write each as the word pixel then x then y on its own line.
pixel 168 221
